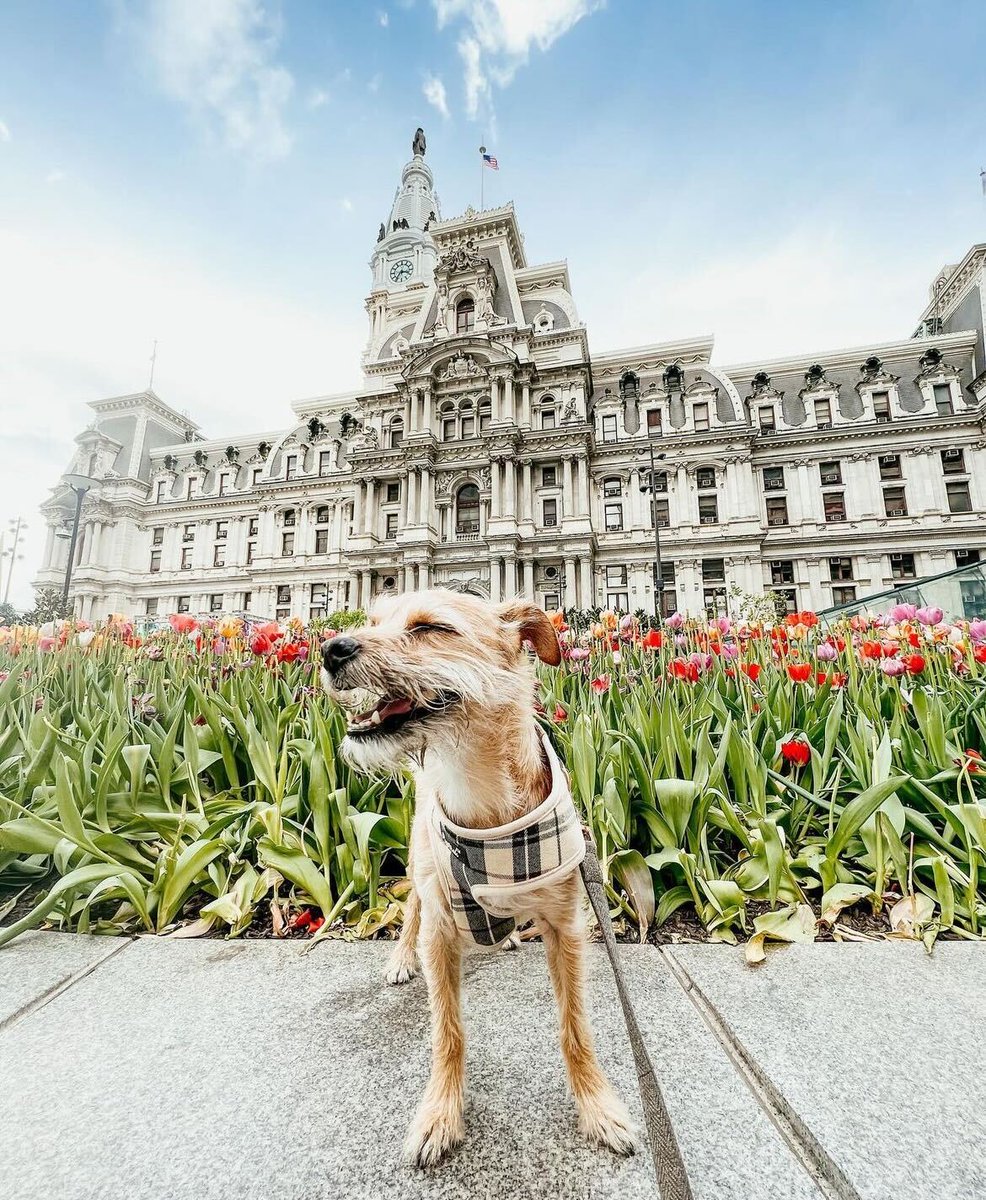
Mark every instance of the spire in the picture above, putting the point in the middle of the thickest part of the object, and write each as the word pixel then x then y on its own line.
pixel 405 252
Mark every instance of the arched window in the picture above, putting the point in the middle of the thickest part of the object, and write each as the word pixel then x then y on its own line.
pixel 485 415
pixel 549 416
pixel 467 509
pixel 448 422
pixel 465 315
pixel 468 419
pixel 396 431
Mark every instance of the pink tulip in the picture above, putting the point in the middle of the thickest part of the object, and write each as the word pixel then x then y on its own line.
pixel 892 667
pixel 578 654
pixel 826 652
pixel 930 616
pixel 729 650
pixel 977 630
pixel 675 621
pixel 723 624
pixel 47 643
pixel 903 612
pixel 681 641
pixel 702 661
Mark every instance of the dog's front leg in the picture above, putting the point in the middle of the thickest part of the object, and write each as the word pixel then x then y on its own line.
pixel 403 962
pixel 603 1117
pixel 438 1125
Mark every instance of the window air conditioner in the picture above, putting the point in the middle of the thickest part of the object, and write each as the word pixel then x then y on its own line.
pixel 773 485
pixel 221 534
pixel 777 521
pixel 550 522
pixel 952 455
pixel 836 517
pixel 767 430
pixel 708 520
pixel 888 458
pixel 897 512
pixel 824 424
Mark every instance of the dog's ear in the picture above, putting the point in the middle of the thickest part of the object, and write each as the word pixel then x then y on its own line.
pixel 535 627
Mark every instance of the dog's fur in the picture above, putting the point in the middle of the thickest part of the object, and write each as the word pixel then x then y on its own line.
pixel 481 754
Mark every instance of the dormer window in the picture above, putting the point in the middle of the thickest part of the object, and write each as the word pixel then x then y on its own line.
pixel 881 406
pixel 465 315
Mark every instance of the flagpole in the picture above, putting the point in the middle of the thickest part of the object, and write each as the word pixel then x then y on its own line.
pixel 482 178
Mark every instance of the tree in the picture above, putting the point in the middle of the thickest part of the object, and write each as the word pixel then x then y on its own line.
pixel 47 607
pixel 9 615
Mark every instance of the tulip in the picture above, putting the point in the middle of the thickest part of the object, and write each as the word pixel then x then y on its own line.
pixel 893 667
pixel 799 672
pixel 796 751
pixel 559 715
pixel 653 639
pixel 752 671
pixel 979 654
pixel 85 637
pixel 826 652
pixel 47 643
pixel 903 612
pixel 680 641
pixel 724 625
pixel 183 623
pixel 977 630
pixel 675 621
pixel 730 650
pixel 578 654
pixel 600 684
pixel 914 664
pixel 930 616
pixel 260 645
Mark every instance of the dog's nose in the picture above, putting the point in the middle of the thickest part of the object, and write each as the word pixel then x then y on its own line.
pixel 339 650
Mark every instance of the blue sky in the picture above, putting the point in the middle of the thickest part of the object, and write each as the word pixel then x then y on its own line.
pixel 211 173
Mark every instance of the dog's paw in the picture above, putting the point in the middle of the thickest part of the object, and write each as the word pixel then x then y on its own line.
pixel 512 942
pixel 431 1136
pixel 400 971
pixel 605 1121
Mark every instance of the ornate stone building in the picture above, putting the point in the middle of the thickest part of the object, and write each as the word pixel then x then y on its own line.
pixel 488 450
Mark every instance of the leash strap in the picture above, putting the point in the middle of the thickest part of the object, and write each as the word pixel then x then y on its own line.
pixel 672 1180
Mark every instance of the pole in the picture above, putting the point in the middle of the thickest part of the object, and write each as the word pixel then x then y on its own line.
pixel 658 570
pixel 13 555
pixel 79 497
pixel 482 178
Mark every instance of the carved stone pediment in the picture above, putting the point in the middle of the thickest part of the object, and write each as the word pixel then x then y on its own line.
pixel 465 257
pixel 460 366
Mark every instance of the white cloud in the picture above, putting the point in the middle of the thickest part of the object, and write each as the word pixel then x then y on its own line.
pixel 434 91
pixel 220 60
pixel 383 19
pixel 4 132
pixel 79 321
pixel 500 35
pixel 374 83
pixel 317 97
pixel 346 204
pixel 55 176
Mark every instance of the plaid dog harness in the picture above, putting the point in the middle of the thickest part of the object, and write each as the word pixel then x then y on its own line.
pixel 485 871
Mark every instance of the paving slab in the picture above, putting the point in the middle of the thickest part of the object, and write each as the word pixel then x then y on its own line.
pixel 215 1069
pixel 37 964
pixel 877 1049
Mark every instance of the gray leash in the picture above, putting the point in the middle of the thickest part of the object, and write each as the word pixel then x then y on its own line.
pixel 672 1180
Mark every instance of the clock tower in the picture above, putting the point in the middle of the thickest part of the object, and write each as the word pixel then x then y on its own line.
pixel 405 253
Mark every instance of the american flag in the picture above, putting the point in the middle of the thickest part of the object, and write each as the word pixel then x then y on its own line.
pixel 491 161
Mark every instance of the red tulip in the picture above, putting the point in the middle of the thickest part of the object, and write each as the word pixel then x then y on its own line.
pixel 600 683
pixel 752 670
pixel 684 670
pixel 870 649
pixel 914 663
pixel 301 920
pixel 315 925
pixel 653 639
pixel 796 751
pixel 260 644
pixel 183 623
pixel 559 715
pixel 799 672
pixel 979 654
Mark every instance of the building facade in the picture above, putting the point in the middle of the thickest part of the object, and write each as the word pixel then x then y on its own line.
pixel 489 451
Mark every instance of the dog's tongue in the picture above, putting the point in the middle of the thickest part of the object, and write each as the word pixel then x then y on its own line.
pixel 387 708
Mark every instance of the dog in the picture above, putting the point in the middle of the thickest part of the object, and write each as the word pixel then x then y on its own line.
pixel 442 681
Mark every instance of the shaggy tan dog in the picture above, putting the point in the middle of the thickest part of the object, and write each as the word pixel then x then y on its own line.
pixel 442 681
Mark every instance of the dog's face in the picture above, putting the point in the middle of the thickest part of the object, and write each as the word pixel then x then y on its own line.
pixel 425 665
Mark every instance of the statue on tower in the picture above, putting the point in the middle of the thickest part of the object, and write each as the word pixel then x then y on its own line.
pixel 419 145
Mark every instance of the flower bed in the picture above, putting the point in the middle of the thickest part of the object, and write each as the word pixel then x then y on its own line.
pixel 761 779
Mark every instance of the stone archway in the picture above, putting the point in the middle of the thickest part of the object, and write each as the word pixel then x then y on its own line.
pixel 467 587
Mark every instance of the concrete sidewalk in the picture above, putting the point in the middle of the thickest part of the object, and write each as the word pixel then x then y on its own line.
pixel 153 1070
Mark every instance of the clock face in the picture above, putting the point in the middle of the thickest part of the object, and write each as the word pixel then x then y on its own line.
pixel 401 270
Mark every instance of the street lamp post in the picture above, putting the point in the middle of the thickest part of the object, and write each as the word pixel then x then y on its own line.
pixel 80 485
pixel 14 528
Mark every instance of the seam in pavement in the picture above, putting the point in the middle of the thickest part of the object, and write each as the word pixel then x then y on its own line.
pixel 63 985
pixel 820 1167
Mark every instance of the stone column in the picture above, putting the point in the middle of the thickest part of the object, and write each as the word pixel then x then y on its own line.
pixel 525 405
pixel 526 493
pixel 571 594
pixel 510 577
pixel 494 579
pixel 568 500
pixel 371 507
pixel 583 464
pixel 426 501
pixel 366 588
pixel 402 576
pixel 527 578
pixel 337 526
pixel 412 410
pixel 508 400
pixel 586 598
pixel 412 496
pixel 495 399
pixel 496 507
pixel 424 575
pixel 49 546
pixel 427 407
pixel 358 509
pixel 510 468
